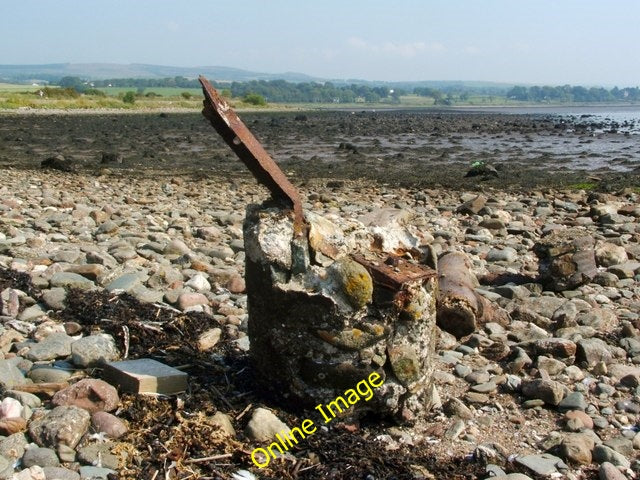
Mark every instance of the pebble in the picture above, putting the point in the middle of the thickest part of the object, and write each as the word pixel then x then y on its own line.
pixel 25 398
pixel 98 453
pixel 474 397
pixel 549 391
pixel 585 420
pixel 236 284
pixel 187 300
pixel 462 370
pixel 126 283
pixel 70 280
pixel 95 473
pixel 627 406
pixel 32 313
pixel 59 473
pixel 592 351
pixel 544 464
pixel 13 446
pixel 223 421
pixel 49 374
pixel 609 471
pixel 573 401
pixel 199 283
pixel 488 387
pixel 53 346
pixel 10 408
pixel 94 350
pixel 64 425
pixel 55 298
pixel 42 457
pixel 10 375
pixel 602 453
pixel 111 425
pixel 90 394
pixel 506 254
pixel 455 407
pixel 576 448
pixel 621 445
pixel 208 339
pixel 30 473
pixel 176 247
pixel 454 430
pixel 264 425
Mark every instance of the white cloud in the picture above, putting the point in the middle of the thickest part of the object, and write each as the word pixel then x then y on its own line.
pixel 357 42
pixel 406 50
pixel 173 26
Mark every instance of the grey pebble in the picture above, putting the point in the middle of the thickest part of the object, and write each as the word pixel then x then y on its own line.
pixel 42 457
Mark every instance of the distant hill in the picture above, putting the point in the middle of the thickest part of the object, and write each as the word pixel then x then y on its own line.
pixel 102 71
pixel 99 71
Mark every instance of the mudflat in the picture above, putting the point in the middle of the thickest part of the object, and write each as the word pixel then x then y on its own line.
pixel 409 148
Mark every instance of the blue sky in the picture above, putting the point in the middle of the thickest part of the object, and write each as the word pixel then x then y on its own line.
pixel 590 42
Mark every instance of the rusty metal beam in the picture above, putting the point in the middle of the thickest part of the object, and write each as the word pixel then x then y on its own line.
pixel 236 134
pixel 394 272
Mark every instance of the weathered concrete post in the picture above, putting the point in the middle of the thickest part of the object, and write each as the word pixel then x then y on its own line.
pixel 325 310
pixel 318 332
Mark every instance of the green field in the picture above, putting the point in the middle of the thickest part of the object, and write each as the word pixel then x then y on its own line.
pixel 13 96
pixel 10 87
pixel 161 91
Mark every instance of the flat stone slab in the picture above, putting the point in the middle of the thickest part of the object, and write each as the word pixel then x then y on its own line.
pixel 543 464
pixel 145 375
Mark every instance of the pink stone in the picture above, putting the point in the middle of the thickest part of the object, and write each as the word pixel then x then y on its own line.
pixel 187 300
pixel 90 394
pixel 236 284
pixel 586 420
pixel 109 424
pixel 10 407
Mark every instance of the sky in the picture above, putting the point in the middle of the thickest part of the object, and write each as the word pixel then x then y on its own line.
pixel 586 42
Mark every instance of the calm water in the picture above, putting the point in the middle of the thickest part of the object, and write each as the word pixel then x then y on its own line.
pixel 627 117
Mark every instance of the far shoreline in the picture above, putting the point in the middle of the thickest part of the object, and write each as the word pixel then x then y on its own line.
pixel 576 108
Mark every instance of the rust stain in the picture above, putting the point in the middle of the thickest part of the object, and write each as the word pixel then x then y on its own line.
pixel 394 272
pixel 236 134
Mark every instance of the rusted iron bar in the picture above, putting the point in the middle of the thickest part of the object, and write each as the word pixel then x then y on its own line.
pixel 394 272
pixel 236 134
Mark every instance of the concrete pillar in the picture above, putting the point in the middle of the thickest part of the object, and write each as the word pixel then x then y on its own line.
pixel 326 310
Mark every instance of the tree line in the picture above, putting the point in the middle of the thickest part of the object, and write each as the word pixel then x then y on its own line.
pixel 281 91
pixel 568 94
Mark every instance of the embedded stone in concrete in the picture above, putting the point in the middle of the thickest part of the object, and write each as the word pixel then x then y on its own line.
pixel 145 375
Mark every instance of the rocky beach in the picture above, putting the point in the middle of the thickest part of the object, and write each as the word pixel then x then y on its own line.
pixel 129 245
